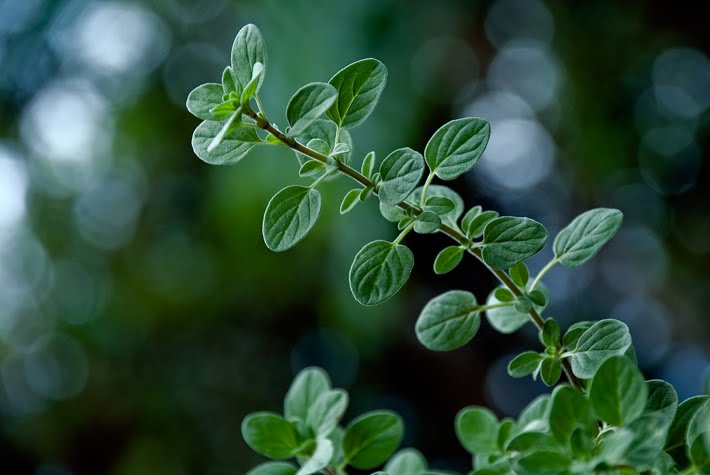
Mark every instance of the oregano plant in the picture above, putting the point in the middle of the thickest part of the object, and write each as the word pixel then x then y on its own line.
pixel 601 417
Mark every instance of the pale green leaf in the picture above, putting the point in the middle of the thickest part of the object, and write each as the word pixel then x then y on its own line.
pixel 509 240
pixel 450 219
pixel 359 87
pixel 233 147
pixel 228 82
pixel 650 432
pixel 202 99
pixel 440 205
pixel 508 319
pixel 401 171
pixel 350 200
pixel 478 224
pixel 604 339
pixel 319 459
pixel 662 400
pixel 308 104
pixel 448 321
pixel 247 50
pixel 582 239
pixel 406 462
pixel 456 147
pixel 273 468
pixel 379 270
pixel 325 413
pixel 427 223
pixel 308 385
pixel 289 216
pixel 252 87
pixel 569 410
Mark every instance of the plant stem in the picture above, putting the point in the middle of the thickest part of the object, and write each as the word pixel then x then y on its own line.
pixel 483 308
pixel 451 232
pixel 402 235
pixel 542 273
pixel 425 189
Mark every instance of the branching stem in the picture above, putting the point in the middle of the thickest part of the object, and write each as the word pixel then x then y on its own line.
pixel 455 234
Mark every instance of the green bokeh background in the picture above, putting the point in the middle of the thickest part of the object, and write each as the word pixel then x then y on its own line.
pixel 141 315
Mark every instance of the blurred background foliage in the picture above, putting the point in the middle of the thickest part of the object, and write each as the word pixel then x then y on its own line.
pixel 141 316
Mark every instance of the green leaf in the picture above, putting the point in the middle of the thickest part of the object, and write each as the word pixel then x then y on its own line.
pixel 337 438
pixel 366 192
pixel 247 50
pixel 456 147
pixel 308 104
pixel 649 435
pixel 478 224
pixel 308 385
pixel 379 270
pixel 405 222
pixel 538 297
pixel 320 458
pixel 520 275
pixel 273 468
pixel 228 84
pixel 477 430
pixel 523 305
pixel 662 400
pixel 448 259
pixel 573 333
pixel 223 111
pixel 448 321
pixel 326 131
pixel 604 339
pixel 393 214
pixel 613 446
pixel 401 172
pixel 289 216
pixel 227 126
pixel 508 319
pixel 359 86
pixel 233 146
pixel 270 435
pixel 427 223
pixel 325 413
pixel 252 87
pixel 524 364
pixel 509 240
pixel 469 217
pixel 503 294
pixel 582 239
pixel 550 334
pixel 544 462
pixel 312 168
pixel 368 165
pixel 202 99
pixel 350 200
pixel 372 438
pixel 550 371
pixel 439 205
pixel 406 462
pixel 535 415
pixel 531 441
pixel 679 427
pixel 569 410
pixel 697 436
pixel 618 392
pixel 451 218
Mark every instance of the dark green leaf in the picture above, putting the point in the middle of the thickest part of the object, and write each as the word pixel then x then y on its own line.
pixel 544 462
pixel 439 205
pixel 289 216
pixel 247 50
pixel 469 217
pixel 618 392
pixel 569 410
pixel 448 259
pixel 308 104
pixel 308 385
pixel 509 240
pixel 477 430
pixel 602 340
pixel 478 224
pixel 524 364
pixel 550 371
pixel 662 400
pixel 450 218
pixel 366 192
pixel 503 294
pixel 202 99
pixel 582 239
pixel 359 87
pixel 573 333
pixel 379 270
pixel 448 321
pixel 233 147
pixel 679 427
pixel 550 334
pixel 456 147
pixel 427 223
pixel 371 438
pixel 270 435
pixel 350 200
pixel 401 172
pixel 649 435
pixel 538 297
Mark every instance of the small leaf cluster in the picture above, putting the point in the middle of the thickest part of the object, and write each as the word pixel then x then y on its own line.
pixel 606 419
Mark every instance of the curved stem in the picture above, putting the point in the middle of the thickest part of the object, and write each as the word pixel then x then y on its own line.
pixel 542 273
pixel 449 231
pixel 425 189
